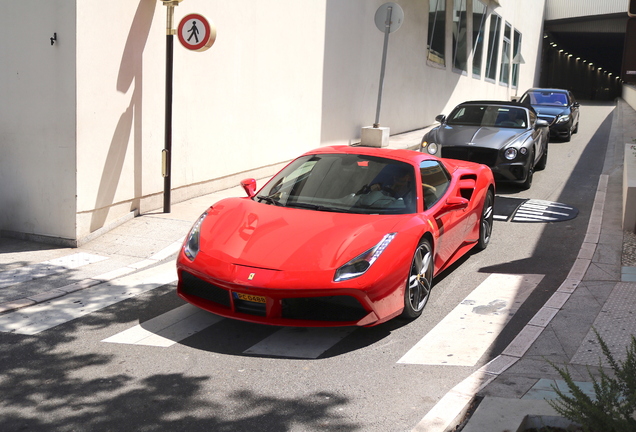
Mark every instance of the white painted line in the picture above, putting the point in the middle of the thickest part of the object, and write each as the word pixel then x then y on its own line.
pixel 300 342
pixel 543 317
pixel 523 341
pixel 47 268
pixel 34 319
pixel 464 335
pixel 167 329
pixel 440 417
pixel 168 251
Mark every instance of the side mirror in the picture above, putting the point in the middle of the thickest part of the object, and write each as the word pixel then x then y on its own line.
pixel 541 123
pixel 440 118
pixel 453 203
pixel 249 186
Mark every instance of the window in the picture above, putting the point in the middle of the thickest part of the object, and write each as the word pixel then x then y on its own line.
pixel 437 31
pixel 493 46
pixel 504 71
pixel 459 35
pixel 345 183
pixel 435 181
pixel 479 22
pixel 517 59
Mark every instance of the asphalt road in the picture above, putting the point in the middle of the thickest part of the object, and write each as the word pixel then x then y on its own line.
pixel 92 373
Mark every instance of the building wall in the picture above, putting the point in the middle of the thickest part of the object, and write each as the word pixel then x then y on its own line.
pixel 37 118
pixel 283 77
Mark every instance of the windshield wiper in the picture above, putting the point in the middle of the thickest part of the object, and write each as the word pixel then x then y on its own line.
pixel 269 200
pixel 316 207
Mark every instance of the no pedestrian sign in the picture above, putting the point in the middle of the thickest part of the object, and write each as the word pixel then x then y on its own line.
pixel 196 33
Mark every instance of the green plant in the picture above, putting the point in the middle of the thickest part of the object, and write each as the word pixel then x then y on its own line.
pixel 614 407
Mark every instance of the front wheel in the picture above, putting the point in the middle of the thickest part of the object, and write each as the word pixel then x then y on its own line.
pixel 544 159
pixel 485 224
pixel 526 184
pixel 420 282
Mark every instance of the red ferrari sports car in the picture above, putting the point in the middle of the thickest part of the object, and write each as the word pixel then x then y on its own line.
pixel 342 236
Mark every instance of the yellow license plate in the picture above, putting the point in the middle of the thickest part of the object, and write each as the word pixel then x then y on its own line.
pixel 250 298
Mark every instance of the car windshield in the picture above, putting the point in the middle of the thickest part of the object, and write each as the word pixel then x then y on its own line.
pixel 344 183
pixel 545 98
pixel 488 116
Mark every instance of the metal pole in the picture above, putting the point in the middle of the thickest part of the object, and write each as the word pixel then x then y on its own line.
pixel 387 28
pixel 167 152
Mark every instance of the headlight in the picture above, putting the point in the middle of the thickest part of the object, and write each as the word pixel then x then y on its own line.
pixel 191 246
pixel 360 264
pixel 510 153
pixel 429 147
pixel 563 119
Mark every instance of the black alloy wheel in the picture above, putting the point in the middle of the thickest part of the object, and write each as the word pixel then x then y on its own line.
pixel 486 222
pixel 420 281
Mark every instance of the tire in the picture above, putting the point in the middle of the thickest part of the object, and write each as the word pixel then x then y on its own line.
pixel 486 221
pixel 576 128
pixel 420 281
pixel 544 160
pixel 526 184
pixel 568 137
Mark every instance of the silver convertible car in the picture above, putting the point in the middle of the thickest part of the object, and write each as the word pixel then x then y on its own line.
pixel 506 136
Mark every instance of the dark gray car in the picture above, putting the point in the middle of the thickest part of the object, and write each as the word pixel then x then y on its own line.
pixel 556 106
pixel 506 136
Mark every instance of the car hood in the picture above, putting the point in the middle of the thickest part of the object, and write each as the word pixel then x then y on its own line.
pixel 489 137
pixel 550 110
pixel 243 232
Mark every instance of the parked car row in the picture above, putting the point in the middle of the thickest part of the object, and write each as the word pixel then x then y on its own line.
pixel 509 137
pixel 353 236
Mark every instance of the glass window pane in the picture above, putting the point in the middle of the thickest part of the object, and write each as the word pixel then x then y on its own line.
pixel 479 21
pixel 459 35
pixel 516 58
pixel 437 31
pixel 504 71
pixel 493 46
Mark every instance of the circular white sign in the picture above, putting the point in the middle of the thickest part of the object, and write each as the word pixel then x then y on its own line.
pixel 397 17
pixel 196 33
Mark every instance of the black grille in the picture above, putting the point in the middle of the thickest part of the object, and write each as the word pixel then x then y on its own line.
pixel 472 154
pixel 332 308
pixel 192 285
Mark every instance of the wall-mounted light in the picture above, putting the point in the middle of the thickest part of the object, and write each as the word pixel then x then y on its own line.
pixel 54 38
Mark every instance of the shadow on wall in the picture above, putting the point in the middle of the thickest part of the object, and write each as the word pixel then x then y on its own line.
pixel 130 70
pixel 351 72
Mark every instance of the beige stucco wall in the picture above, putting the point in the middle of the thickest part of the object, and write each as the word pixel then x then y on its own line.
pixel 82 142
pixel 37 118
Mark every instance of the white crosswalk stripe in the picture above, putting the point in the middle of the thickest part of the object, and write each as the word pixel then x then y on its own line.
pixel 47 268
pixel 463 336
pixel 168 328
pixel 34 319
pixel 300 342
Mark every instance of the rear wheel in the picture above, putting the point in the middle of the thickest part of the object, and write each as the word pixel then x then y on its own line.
pixel 485 224
pixel 420 282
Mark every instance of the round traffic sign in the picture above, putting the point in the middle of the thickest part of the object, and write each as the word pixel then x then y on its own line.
pixel 381 16
pixel 196 33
